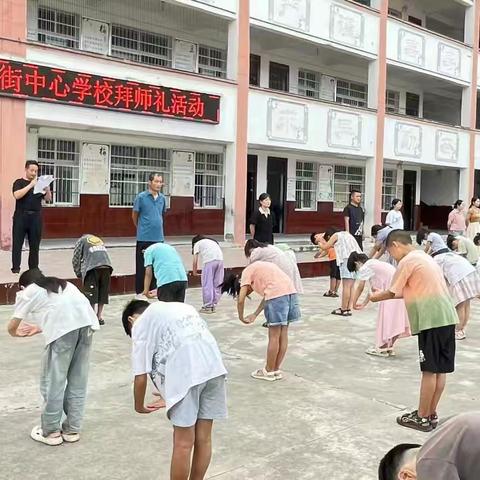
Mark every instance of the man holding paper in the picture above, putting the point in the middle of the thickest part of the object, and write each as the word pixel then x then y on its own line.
pixel 29 192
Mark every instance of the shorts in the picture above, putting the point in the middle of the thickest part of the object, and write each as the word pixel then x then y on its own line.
pixel 436 349
pixel 334 270
pixel 96 285
pixel 282 311
pixel 207 401
pixel 345 273
pixel 172 292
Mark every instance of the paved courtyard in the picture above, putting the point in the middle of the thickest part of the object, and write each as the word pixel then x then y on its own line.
pixel 332 417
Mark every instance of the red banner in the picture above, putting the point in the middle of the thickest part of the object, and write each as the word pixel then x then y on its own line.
pixel 48 84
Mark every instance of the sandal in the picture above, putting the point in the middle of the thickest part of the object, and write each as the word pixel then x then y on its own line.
pixel 278 374
pixel 335 295
pixel 262 374
pixel 71 437
pixel 341 313
pixel 377 352
pixel 349 312
pixel 328 294
pixel 37 435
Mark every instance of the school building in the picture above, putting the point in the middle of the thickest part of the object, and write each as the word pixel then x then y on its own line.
pixel 303 99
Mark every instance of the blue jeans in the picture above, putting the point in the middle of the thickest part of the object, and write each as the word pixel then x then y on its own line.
pixel 63 382
pixel 282 311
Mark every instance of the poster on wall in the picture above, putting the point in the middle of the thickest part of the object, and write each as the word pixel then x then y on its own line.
pixel 94 169
pixel 291 13
pixel 183 174
pixel 185 56
pixel 449 59
pixel 446 146
pixel 291 189
pixel 408 140
pixel 411 47
pixel 344 129
pixel 328 88
pixel 346 26
pixel 287 121
pixel 95 36
pixel 325 183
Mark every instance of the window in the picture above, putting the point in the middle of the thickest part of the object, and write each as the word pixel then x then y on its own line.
pixel 61 159
pixel 208 180
pixel 212 61
pixel 392 101
pixel 255 63
pixel 345 180
pixel 279 76
pixel 309 83
pixel 393 12
pixel 306 186
pixel 389 188
pixel 351 93
pixel 363 2
pixel 141 47
pixel 412 104
pixel 415 20
pixel 129 170
pixel 56 27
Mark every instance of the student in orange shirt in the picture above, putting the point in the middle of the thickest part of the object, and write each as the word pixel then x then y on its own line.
pixel 335 279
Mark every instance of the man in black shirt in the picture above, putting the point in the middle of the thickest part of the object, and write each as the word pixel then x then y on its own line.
pixel 27 220
pixel 354 216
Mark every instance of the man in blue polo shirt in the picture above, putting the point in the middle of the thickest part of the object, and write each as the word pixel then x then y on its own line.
pixel 147 215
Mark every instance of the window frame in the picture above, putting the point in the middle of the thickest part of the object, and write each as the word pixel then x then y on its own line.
pixel 60 40
pixel 395 106
pixel 219 189
pixel 390 184
pixel 305 88
pixel 300 166
pixel 349 99
pixel 209 67
pixel 286 69
pixel 256 61
pixel 351 184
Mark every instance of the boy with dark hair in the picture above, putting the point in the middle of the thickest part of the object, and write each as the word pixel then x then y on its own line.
pixel 92 264
pixel 335 279
pixel 420 282
pixel 451 453
pixel 173 345
pixel 354 217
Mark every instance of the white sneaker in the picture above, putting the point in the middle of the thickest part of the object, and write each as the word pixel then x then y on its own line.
pixel 71 437
pixel 37 435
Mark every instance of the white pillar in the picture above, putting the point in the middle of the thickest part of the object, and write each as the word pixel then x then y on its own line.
pixel 229 190
pixel 369 195
pixel 469 29
pixel 464 185
pixel 262 161
pixel 373 84
pixel 232 50
pixel 466 107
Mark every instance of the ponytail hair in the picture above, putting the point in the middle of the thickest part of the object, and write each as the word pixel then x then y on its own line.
pixel 252 244
pixel 457 203
pixel 422 234
pixel 353 258
pixel 476 240
pixel 50 284
pixel 231 285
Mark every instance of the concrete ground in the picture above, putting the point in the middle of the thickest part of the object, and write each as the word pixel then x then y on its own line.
pixel 332 417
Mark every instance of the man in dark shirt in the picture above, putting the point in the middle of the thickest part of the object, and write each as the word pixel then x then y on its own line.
pixel 354 216
pixel 27 219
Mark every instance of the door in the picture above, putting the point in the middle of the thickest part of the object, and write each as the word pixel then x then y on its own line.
pixel 409 195
pixel 251 188
pixel 277 189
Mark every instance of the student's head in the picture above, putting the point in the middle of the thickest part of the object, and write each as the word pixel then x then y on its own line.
pixel 265 200
pixel 452 242
pixel 459 205
pixel 251 244
pixel 356 197
pixel 397 204
pixel 231 284
pixel 422 235
pixel 316 237
pixel 399 243
pixel 131 312
pixel 34 275
pixel 400 463
pixel 475 202
pixel 476 240
pixel 329 232
pixel 375 229
pixel 355 261
pixel 155 182
pixel 31 169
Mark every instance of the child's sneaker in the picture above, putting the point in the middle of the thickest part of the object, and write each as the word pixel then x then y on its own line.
pixel 412 420
pixel 434 420
pixel 377 352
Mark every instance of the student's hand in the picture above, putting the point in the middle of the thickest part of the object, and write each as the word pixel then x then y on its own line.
pixel 157 403
pixel 317 255
pixel 249 319
pixel 196 274
pixel 147 409
pixel 373 297
pixel 27 330
pixel 33 182
pixel 149 294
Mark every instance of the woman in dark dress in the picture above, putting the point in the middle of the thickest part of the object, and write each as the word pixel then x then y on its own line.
pixel 262 221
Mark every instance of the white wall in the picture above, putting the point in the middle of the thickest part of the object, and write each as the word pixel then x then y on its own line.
pixel 439 187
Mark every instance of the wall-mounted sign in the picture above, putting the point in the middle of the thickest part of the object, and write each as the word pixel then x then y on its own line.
pixel 185 56
pixel 408 140
pixel 446 146
pixel 325 183
pixel 291 13
pixel 287 121
pixel 94 169
pixel 183 174
pixel 344 129
pixel 48 84
pixel 95 36
pixel 346 26
pixel 449 60
pixel 291 189
pixel 328 88
pixel 411 47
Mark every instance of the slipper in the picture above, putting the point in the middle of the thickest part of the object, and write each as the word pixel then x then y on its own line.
pixel 262 374
pixel 37 435
pixel 71 437
pixel 341 313
pixel 328 294
pixel 377 352
pixel 278 374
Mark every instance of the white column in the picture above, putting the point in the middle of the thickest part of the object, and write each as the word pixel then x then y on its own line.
pixel 463 185
pixel 369 195
pixel 264 71
pixel 232 50
pixel 466 106
pixel 373 84
pixel 262 161
pixel 468 33
pixel 229 190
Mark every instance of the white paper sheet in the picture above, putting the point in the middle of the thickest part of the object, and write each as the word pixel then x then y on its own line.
pixel 43 182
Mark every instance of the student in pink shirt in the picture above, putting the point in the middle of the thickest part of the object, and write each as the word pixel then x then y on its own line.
pixel 280 306
pixel 456 219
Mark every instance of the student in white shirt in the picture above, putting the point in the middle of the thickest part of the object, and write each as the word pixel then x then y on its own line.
pixel 172 344
pixel 394 217
pixel 211 256
pixel 434 243
pixel 63 314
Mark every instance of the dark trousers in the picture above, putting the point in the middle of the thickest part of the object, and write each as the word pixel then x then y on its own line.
pixel 140 267
pixel 359 239
pixel 172 292
pixel 27 224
